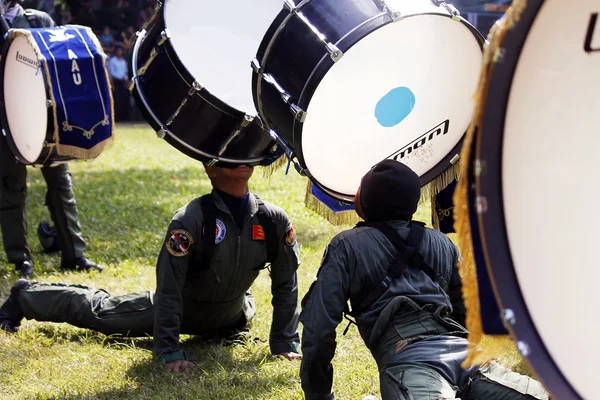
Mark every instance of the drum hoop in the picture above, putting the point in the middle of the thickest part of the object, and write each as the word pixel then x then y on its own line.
pixel 6 132
pixel 322 68
pixel 492 226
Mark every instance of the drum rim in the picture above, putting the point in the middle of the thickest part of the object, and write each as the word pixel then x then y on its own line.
pixel 492 226
pixel 6 132
pixel 325 64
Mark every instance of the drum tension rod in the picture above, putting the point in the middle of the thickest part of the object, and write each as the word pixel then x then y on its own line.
pixel 449 7
pixel 334 53
pixel 383 6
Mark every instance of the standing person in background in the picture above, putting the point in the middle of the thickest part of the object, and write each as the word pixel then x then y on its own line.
pixel 119 74
pixel 60 199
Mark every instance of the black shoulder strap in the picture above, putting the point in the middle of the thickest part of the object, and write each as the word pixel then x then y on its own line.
pixel 209 213
pixel 408 254
pixel 32 19
pixel 270 230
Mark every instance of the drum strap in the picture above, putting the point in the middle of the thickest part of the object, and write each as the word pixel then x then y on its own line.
pixel 32 19
pixel 209 211
pixel 407 255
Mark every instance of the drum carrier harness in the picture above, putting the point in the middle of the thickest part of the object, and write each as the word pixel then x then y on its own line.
pixel 407 255
pixel 209 212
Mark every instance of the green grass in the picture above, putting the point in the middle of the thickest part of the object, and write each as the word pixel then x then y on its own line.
pixel 126 198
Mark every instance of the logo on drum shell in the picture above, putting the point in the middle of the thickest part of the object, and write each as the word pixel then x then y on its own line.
pixel 441 129
pixel 588 46
pixel 395 106
pixel 35 64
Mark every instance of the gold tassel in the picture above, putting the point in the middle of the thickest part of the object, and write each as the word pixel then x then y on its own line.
pixel 275 166
pixel 476 355
pixel 348 217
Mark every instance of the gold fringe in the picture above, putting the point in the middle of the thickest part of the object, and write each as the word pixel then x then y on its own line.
pixel 348 217
pixel 269 170
pixel 461 206
pixel 429 191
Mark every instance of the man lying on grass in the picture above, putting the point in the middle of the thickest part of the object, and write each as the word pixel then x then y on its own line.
pixel 203 278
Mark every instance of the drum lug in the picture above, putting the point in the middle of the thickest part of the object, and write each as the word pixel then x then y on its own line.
pixel 255 64
pixel 196 87
pixel 49 103
pixel 161 132
pixel 238 129
pixel 164 36
pixel 448 7
pixel 383 6
pixel 455 159
pixel 481 205
pixel 299 113
pixel 508 316
pixel 333 51
pixel 289 5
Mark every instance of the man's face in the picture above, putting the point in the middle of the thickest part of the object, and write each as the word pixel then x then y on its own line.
pixel 357 204
pixel 218 174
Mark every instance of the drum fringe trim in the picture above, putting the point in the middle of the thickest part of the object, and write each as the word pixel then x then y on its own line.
pixel 269 170
pixel 430 190
pixel 477 356
pixel 348 217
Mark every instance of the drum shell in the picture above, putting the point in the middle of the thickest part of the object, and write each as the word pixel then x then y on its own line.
pixel 201 126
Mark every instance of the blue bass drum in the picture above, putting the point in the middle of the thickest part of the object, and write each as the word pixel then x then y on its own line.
pixel 345 84
pixel 537 190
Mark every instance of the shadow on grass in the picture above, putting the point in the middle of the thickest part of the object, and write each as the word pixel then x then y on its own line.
pixel 220 372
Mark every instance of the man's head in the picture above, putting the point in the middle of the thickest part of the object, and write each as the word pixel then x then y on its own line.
pixel 389 191
pixel 118 51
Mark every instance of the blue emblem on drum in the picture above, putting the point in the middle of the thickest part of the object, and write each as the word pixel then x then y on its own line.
pixel 395 106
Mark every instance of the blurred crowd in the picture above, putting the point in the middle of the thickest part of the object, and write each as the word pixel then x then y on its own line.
pixel 115 23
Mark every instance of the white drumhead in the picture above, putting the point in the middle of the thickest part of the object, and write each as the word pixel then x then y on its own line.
pixel 217 40
pixel 550 164
pixel 424 69
pixel 25 99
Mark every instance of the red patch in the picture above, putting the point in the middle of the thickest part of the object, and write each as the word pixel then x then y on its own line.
pixel 258 233
pixel 290 238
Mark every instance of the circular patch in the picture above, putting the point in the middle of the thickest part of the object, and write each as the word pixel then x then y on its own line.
pixel 290 238
pixel 220 232
pixel 179 242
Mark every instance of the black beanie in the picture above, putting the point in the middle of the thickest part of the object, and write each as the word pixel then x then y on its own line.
pixel 389 191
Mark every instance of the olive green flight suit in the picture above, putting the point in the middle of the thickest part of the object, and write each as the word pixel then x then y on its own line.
pixel 190 298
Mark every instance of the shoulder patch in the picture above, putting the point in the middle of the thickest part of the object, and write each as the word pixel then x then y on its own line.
pixel 220 232
pixel 258 233
pixel 179 243
pixel 290 237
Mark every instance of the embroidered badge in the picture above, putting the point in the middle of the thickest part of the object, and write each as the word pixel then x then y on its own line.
pixel 290 238
pixel 258 233
pixel 220 232
pixel 179 242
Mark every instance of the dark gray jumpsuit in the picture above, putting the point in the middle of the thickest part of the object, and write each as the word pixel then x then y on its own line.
pixel 411 330
pixel 189 298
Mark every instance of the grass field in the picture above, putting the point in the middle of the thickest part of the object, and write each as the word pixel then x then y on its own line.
pixel 126 198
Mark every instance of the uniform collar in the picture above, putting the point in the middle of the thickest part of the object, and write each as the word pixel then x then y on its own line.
pixel 220 204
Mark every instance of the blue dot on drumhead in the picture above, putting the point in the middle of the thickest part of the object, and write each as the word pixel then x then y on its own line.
pixel 395 106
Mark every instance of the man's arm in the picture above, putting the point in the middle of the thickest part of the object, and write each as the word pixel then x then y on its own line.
pixel 459 311
pixel 322 309
pixel 284 336
pixel 171 269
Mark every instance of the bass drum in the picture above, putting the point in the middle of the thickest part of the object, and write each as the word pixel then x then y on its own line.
pixel 534 185
pixel 345 84
pixel 192 81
